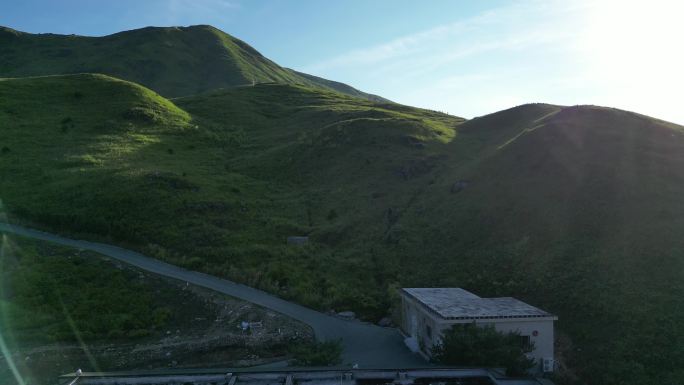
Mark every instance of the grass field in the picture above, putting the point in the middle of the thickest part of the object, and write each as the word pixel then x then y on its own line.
pixel 219 192
pixel 575 209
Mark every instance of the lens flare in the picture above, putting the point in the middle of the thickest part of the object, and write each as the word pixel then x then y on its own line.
pixel 77 334
pixel 6 252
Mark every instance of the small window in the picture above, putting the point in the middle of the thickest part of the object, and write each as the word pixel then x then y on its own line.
pixel 525 342
pixel 428 331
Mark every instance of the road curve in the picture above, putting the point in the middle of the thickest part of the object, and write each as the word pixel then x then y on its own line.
pixel 364 344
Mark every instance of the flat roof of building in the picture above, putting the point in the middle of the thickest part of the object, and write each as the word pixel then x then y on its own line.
pixel 456 303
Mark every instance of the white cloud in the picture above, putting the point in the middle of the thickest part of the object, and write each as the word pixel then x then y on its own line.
pixel 470 36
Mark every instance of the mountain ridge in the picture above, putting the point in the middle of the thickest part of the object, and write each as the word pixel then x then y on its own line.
pixel 174 61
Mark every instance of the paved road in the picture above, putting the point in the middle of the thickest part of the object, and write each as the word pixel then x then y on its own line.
pixel 366 344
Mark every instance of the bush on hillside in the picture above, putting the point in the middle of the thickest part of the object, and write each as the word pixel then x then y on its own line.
pixel 83 302
pixel 472 345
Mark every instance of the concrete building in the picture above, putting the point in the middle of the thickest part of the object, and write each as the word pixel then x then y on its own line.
pixel 428 312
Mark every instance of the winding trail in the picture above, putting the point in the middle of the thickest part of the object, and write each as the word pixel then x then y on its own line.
pixel 364 344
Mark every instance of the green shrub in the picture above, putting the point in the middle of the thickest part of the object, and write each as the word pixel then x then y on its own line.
pixel 327 353
pixel 87 300
pixel 469 344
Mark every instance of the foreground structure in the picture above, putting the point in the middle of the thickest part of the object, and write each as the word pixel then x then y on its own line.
pixel 307 376
pixel 428 312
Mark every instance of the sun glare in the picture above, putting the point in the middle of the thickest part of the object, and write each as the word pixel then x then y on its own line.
pixel 634 50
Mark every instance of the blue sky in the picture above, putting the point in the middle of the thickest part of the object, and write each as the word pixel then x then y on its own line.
pixel 468 58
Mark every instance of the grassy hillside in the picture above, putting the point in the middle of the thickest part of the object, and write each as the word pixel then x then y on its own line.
pixel 341 87
pixel 222 191
pixel 575 209
pixel 173 61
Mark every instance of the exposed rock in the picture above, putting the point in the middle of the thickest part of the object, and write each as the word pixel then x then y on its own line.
pixel 347 314
pixel 297 240
pixel 385 322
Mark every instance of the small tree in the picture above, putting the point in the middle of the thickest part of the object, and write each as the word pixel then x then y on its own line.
pixel 469 344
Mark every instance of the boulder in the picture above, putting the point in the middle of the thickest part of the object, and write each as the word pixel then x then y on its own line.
pixel 297 240
pixel 385 322
pixel 347 314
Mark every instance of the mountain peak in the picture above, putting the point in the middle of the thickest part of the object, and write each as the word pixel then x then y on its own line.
pixel 174 61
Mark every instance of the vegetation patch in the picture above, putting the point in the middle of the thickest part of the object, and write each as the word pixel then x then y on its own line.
pixel 484 346
pixel 312 354
pixel 51 294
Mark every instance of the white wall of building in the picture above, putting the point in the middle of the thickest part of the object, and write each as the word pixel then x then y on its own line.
pixel 428 328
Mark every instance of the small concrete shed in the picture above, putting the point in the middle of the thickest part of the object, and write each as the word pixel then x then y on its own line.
pixel 428 312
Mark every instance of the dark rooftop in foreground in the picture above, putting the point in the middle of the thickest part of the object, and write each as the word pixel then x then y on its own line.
pixel 303 376
pixel 456 303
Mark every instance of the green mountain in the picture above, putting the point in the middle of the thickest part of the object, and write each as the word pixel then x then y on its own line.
pixel 577 210
pixel 173 61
